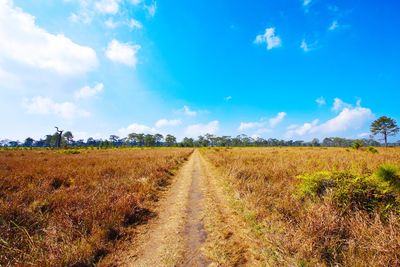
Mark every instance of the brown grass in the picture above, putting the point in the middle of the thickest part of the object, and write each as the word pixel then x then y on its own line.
pixel 70 209
pixel 302 231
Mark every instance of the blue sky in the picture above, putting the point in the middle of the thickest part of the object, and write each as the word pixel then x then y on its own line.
pixel 283 69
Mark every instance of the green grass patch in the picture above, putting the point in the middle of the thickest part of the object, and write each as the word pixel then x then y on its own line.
pixel 372 150
pixel 389 173
pixel 348 191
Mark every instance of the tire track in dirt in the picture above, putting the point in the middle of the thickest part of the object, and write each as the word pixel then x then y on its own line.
pixel 196 225
pixel 177 236
pixel 194 230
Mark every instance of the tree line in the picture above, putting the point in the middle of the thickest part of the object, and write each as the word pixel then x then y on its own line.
pixel 383 126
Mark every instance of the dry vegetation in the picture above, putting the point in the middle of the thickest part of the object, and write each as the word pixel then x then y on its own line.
pixel 317 206
pixel 71 207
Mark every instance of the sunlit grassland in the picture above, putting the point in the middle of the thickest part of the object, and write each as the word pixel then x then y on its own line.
pixel 317 206
pixel 71 206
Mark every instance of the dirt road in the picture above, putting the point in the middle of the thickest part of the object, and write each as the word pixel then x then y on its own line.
pixel 194 227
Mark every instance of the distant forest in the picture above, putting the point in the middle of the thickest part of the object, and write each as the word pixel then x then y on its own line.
pixel 154 140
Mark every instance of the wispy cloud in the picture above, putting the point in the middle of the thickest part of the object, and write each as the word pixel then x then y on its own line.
pixel 320 101
pixel 273 122
pixel 306 5
pixel 88 92
pixel 306 2
pixel 269 38
pixel 135 24
pixel 108 6
pixel 88 9
pixel 339 104
pixel 334 25
pixel 188 112
pixel 131 23
pixel 307 47
pixel 151 9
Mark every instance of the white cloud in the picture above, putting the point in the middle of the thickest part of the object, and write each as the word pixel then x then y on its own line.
pixel 107 6
pixel 47 106
pixel 307 47
pixel 339 104
pixel 74 17
pixel 151 9
pixel 260 125
pixel 136 2
pixel 142 128
pixel 249 125
pixel 85 12
pixel 26 44
pixel 131 23
pixel 306 2
pixel 201 129
pixel 320 101
pixel 278 119
pixel 87 91
pixel 135 24
pixel 164 122
pixel 228 98
pixel 303 129
pixel 269 38
pixel 348 119
pixel 111 24
pixel 292 126
pixel 334 25
pixel 122 53
pixel 304 46
pixel 137 128
pixel 187 111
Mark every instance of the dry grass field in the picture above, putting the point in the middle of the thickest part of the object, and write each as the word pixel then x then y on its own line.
pixel 316 206
pixel 225 206
pixel 66 207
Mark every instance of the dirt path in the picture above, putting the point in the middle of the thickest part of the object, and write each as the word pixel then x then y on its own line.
pixel 194 227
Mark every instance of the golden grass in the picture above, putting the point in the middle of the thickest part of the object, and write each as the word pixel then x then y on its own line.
pixel 61 208
pixel 304 231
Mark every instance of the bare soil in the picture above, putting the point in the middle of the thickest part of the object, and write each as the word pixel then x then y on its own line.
pixel 195 225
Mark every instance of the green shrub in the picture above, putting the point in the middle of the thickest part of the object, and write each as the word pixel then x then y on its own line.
pixel 389 173
pixel 372 149
pixel 316 184
pixel 349 191
pixel 357 144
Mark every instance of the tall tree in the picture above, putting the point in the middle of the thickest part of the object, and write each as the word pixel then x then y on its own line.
pixel 28 142
pixel 386 127
pixel 114 139
pixel 170 140
pixel 68 137
pixel 158 138
pixel 149 140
